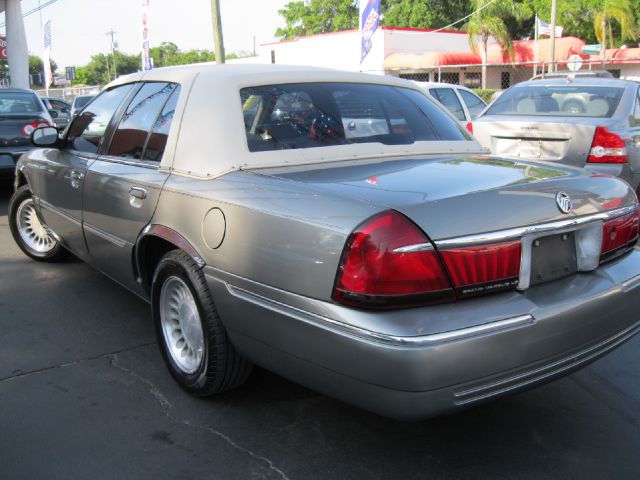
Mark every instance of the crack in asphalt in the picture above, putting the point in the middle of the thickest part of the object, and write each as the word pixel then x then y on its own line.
pixel 72 363
pixel 166 406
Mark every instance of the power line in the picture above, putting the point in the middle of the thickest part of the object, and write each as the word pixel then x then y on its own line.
pixel 33 10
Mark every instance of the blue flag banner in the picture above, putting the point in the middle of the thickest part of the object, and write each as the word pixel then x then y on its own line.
pixel 369 20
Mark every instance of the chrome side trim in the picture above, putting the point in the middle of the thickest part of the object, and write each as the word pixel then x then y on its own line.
pixel 518 232
pixel 174 237
pixel 392 340
pixel 43 203
pixel 118 242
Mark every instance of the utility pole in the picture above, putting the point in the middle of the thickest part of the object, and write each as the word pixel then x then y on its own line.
pixel 114 45
pixel 217 31
pixel 552 39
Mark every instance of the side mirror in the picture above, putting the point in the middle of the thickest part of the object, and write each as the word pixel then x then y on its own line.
pixel 53 114
pixel 44 137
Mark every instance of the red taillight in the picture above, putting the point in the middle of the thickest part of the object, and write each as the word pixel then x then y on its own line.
pixel 607 147
pixel 470 127
pixel 480 269
pixel 30 127
pixel 372 274
pixel 618 234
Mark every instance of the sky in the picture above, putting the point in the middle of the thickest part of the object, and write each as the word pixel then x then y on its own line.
pixel 79 27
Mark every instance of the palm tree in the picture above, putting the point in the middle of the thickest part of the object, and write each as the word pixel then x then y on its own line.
pixel 487 21
pixel 622 12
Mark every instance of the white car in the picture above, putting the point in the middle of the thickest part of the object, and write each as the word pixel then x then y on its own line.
pixel 460 101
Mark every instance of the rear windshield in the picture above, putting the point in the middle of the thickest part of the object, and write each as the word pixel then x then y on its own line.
pixel 309 115
pixel 19 102
pixel 561 100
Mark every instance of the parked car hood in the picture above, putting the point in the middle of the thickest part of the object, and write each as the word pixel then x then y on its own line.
pixel 478 194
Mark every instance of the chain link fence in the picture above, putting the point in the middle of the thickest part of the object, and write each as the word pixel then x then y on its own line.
pixel 505 75
pixel 69 93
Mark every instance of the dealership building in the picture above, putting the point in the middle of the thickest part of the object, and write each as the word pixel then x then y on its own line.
pixel 441 55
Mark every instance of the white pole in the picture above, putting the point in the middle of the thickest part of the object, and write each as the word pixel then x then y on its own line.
pixel 535 47
pixel 552 46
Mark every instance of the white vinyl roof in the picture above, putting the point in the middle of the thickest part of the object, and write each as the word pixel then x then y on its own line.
pixel 211 138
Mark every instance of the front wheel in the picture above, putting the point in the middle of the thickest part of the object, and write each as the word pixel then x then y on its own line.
pixel 30 234
pixel 192 339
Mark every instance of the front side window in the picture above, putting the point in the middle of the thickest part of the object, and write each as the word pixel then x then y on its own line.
pixel 561 100
pixel 307 115
pixel 87 130
pixel 474 103
pixel 140 116
pixel 448 98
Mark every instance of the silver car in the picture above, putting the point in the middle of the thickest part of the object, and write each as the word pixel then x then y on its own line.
pixel 336 228
pixel 586 122
pixel 463 104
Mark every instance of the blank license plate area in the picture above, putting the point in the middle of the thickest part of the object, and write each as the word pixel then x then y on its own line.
pixel 553 257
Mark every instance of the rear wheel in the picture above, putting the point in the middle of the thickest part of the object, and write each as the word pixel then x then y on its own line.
pixel 193 342
pixel 30 234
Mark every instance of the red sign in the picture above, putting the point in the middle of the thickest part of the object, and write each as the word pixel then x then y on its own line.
pixel 3 47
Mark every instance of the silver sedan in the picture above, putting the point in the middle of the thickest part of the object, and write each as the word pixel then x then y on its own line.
pixel 586 122
pixel 339 229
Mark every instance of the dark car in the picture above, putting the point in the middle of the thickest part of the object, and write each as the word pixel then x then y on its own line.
pixel 62 109
pixel 21 112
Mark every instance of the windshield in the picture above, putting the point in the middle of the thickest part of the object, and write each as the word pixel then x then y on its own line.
pixel 561 100
pixel 309 115
pixel 19 102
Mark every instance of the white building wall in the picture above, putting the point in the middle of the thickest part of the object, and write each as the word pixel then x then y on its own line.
pixel 417 41
pixel 341 50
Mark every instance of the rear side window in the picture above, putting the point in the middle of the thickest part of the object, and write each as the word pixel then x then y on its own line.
pixel 474 103
pixel 560 100
pixel 140 116
pixel 87 129
pixel 158 138
pixel 310 115
pixel 448 98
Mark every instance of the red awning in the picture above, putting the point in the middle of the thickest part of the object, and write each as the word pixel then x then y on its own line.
pixel 623 55
pixel 532 51
pixel 525 51
pixel 430 59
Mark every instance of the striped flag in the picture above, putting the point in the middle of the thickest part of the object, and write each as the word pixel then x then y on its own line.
pixel 46 54
pixel 544 28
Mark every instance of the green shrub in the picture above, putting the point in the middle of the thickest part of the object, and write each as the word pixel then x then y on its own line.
pixel 485 93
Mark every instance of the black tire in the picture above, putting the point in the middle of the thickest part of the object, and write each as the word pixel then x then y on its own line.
pixel 221 367
pixel 22 196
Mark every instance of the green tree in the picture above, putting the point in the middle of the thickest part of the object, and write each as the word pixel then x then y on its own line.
pixel 36 67
pixel 168 54
pixel 621 12
pixel 487 21
pixel 424 14
pixel 308 17
pixel 576 16
pixel 99 70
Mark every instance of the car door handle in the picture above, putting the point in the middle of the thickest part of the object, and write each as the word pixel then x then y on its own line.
pixel 138 192
pixel 75 175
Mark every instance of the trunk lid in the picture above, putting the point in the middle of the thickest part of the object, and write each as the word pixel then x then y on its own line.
pixel 455 196
pixel 11 126
pixel 538 138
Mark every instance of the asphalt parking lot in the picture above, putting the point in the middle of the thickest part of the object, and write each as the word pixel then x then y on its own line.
pixel 84 394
